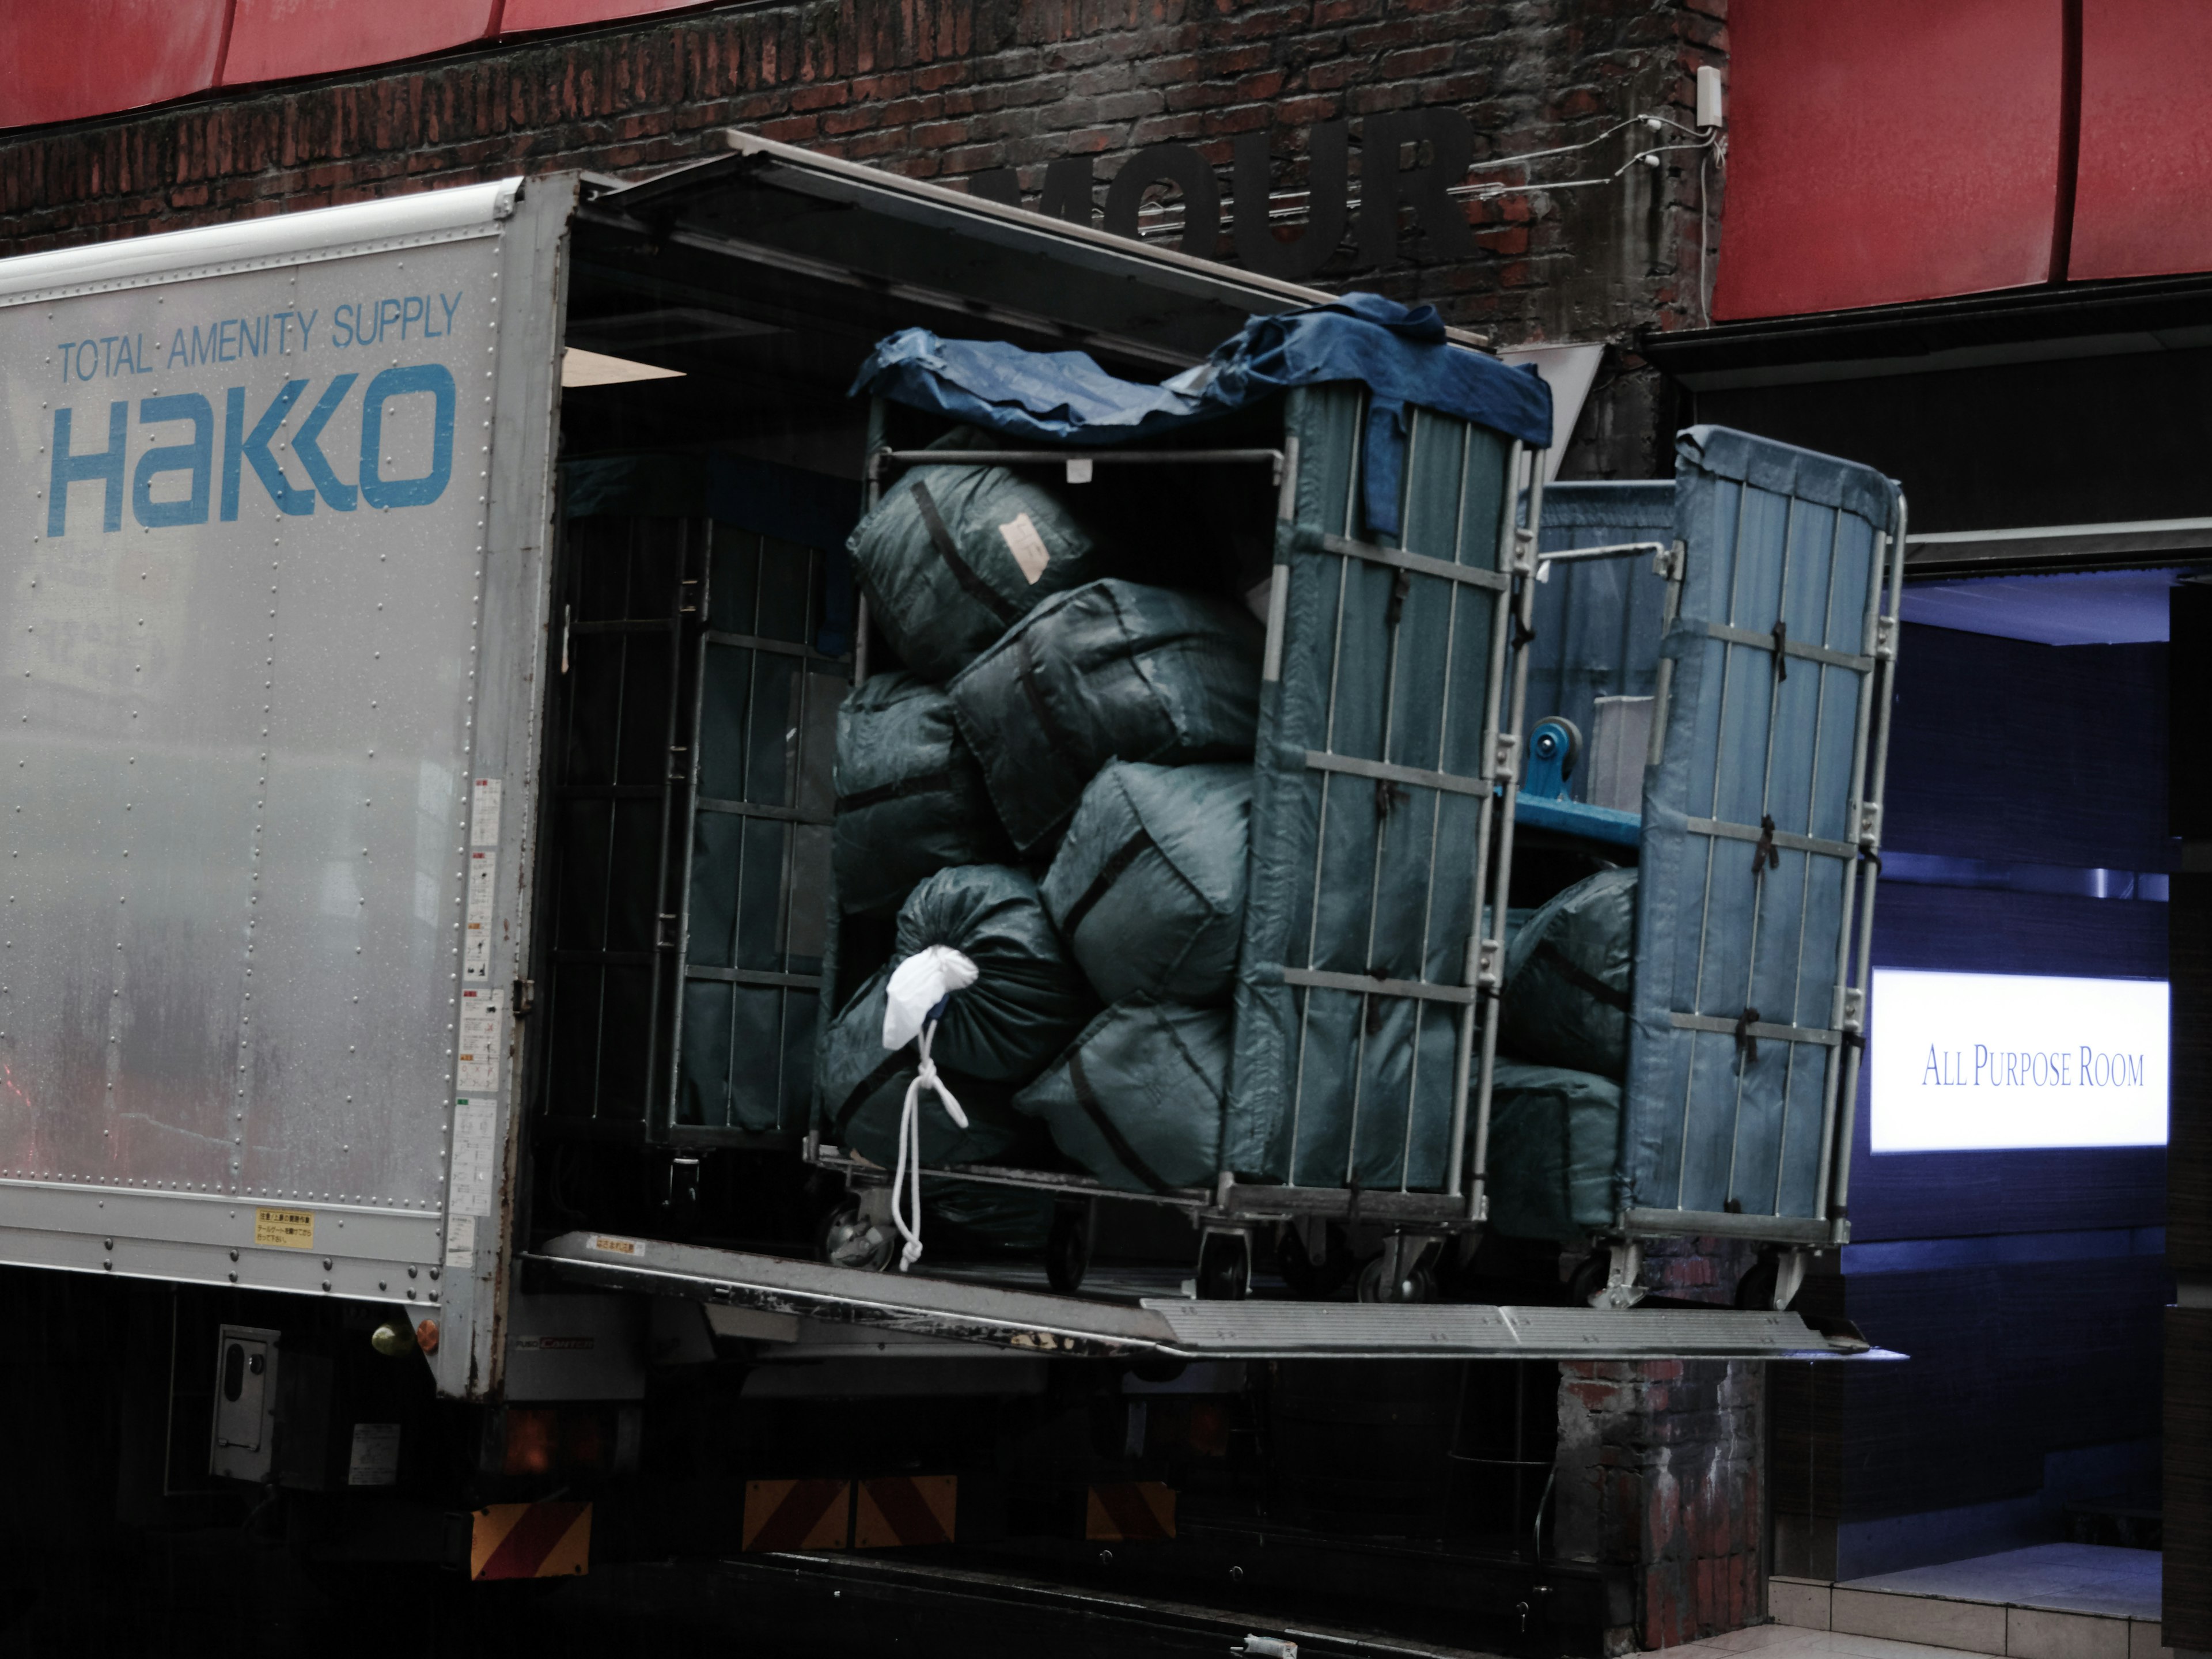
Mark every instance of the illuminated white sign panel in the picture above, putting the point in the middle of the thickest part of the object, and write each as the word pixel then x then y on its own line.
pixel 1983 1062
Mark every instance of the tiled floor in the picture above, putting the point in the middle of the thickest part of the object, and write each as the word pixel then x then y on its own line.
pixel 2052 1602
pixel 2063 1577
pixel 1783 1642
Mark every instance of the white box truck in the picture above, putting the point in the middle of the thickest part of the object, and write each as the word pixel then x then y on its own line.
pixel 297 1017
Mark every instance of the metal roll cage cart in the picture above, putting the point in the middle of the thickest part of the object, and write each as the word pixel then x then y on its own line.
pixel 1608 1278
pixel 1416 1225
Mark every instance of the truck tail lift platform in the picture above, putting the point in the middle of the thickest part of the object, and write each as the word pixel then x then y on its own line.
pixel 1182 1327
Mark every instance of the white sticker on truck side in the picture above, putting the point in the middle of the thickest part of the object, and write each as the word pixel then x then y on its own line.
pixel 483 812
pixel 375 1459
pixel 476 952
pixel 483 1034
pixel 475 1163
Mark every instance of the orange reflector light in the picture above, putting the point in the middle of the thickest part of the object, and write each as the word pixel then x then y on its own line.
pixel 532 1434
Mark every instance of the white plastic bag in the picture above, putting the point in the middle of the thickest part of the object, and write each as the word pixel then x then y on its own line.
pixel 918 988
pixel 917 985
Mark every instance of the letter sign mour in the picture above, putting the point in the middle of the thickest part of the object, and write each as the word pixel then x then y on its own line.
pixel 1387 184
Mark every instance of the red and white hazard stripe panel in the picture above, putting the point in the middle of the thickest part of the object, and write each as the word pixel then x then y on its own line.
pixel 905 1509
pixel 797 1515
pixel 1130 1509
pixel 531 1540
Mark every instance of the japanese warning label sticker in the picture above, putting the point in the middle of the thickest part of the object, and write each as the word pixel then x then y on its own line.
pixel 475 1157
pixel 483 812
pixel 290 1230
pixel 476 952
pixel 484 1034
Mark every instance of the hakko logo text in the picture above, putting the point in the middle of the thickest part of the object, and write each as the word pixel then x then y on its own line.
pixel 245 443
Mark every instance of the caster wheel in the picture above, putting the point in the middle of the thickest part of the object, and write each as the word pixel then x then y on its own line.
pixel 1224 1267
pixel 1587 1284
pixel 1312 1280
pixel 1378 1283
pixel 1773 1281
pixel 1067 1249
pixel 849 1239
pixel 1606 1278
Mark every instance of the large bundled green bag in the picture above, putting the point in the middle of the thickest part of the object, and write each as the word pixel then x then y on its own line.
pixel 1555 1141
pixel 1137 1100
pixel 861 1093
pixel 910 796
pixel 956 555
pixel 1113 670
pixel 1148 886
pixel 1027 999
pixel 1567 975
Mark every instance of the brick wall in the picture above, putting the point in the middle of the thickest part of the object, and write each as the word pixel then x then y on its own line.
pixel 944 90
pixel 1660 1465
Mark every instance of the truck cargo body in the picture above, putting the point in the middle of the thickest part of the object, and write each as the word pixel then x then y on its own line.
pixel 369 851
pixel 274 724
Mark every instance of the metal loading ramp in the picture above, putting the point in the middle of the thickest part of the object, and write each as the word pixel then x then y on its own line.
pixel 1037 1322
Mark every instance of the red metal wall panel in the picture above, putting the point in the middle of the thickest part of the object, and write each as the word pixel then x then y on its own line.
pixel 61 60
pixel 276 39
pixel 2143 202
pixel 1887 150
pixel 524 15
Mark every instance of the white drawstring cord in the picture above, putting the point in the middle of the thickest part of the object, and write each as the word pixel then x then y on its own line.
pixel 913 1001
pixel 909 1143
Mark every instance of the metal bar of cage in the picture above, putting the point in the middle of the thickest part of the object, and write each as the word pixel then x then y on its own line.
pixel 1805 880
pixel 1587 555
pixel 1453 1149
pixel 1393 622
pixel 1869 711
pixel 1766 804
pixel 1353 467
pixel 1505 759
pixel 1078 461
pixel 1886 647
pixel 663 1107
pixel 1706 894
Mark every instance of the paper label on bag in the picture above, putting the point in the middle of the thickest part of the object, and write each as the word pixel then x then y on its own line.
pixel 1026 545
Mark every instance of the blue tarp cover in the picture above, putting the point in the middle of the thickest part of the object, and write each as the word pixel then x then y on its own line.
pixel 1400 353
